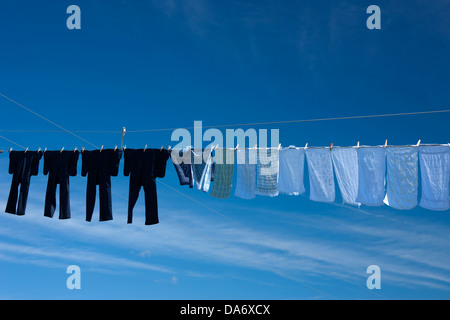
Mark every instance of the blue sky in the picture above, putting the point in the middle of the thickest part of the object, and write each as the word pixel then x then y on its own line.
pixel 164 64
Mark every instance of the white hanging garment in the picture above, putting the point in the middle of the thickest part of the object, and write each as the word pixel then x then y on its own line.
pixel 321 178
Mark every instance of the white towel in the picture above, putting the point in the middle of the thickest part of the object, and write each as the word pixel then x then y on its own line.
pixel 402 177
pixel 372 171
pixel 435 174
pixel 345 162
pixel 321 178
pixel 267 172
pixel 292 166
pixel 246 174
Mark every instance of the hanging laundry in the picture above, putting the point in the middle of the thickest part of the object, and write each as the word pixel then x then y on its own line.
pixel 22 165
pixel 59 165
pixel 181 159
pixel 267 172
pixel 321 178
pixel 345 163
pixel 246 174
pixel 372 173
pixel 202 168
pixel 100 166
pixel 224 174
pixel 143 167
pixel 292 168
pixel 435 174
pixel 402 177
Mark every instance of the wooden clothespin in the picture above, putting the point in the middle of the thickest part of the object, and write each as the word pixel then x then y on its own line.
pixel 418 143
pixel 385 144
pixel 357 145
pixel 115 148
pixel 39 149
pixel 75 150
pixel 82 149
pixel 62 149
pixel 145 148
pixel 169 148
pixel 101 149
pixel 237 147
pixel 26 150
pixel 10 149
pixel 331 145
pixel 279 146
pixel 306 145
pixel 45 150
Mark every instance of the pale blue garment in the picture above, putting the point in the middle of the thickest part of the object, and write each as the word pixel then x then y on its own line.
pixel 345 162
pixel 435 174
pixel 402 177
pixel 321 178
pixel 372 174
pixel 267 172
pixel 246 174
pixel 292 166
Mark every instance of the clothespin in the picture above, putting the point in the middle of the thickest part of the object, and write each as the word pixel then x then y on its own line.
pixel 237 147
pixel 39 149
pixel 418 143
pixel 145 148
pixel 169 148
pixel 75 150
pixel 101 149
pixel 82 149
pixel 10 149
pixel 123 133
pixel 357 145
pixel 115 148
pixel 385 143
pixel 331 145
pixel 306 145
pixel 62 149
pixel 255 146
pixel 26 150
pixel 45 150
pixel 279 146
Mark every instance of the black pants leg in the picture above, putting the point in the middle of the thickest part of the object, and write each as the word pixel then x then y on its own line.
pixel 64 199
pixel 50 197
pixel 105 201
pixel 151 202
pixel 11 205
pixel 91 192
pixel 135 187
pixel 23 195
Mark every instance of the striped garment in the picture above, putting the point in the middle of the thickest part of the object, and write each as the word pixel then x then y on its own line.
pixel 267 172
pixel 246 174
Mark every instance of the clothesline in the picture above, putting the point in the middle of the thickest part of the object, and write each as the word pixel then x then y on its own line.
pixel 64 130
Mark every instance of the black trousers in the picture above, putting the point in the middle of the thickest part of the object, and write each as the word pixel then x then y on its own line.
pixel 64 198
pixel 16 198
pixel 104 197
pixel 22 165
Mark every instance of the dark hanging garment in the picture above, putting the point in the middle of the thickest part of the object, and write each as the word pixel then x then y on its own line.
pixel 22 165
pixel 100 166
pixel 59 166
pixel 144 167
